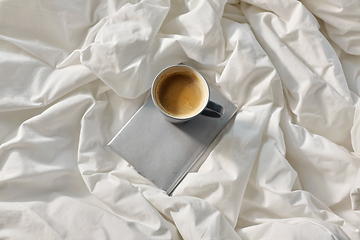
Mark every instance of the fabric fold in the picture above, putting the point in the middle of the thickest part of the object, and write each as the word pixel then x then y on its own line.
pixel 74 73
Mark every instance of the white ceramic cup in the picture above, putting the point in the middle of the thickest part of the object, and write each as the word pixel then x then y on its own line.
pixel 207 108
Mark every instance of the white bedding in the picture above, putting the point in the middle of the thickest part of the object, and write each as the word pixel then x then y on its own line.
pixel 72 73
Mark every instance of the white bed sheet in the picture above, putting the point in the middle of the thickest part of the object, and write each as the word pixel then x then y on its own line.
pixel 72 73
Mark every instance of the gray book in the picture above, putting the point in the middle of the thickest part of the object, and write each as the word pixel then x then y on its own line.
pixel 164 152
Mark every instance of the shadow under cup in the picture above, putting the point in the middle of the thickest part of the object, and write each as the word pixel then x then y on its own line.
pixel 181 93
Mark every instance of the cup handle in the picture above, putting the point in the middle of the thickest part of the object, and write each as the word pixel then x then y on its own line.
pixel 213 110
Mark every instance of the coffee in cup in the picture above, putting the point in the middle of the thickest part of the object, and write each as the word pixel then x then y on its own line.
pixel 181 93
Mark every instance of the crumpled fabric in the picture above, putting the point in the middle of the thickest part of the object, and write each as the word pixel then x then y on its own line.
pixel 74 72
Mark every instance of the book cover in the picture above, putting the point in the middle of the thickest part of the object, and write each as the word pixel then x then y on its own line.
pixel 164 152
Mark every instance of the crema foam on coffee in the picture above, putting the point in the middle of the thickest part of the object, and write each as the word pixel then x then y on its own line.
pixel 180 94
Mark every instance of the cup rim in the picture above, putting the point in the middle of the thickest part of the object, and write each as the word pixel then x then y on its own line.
pixel 156 79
